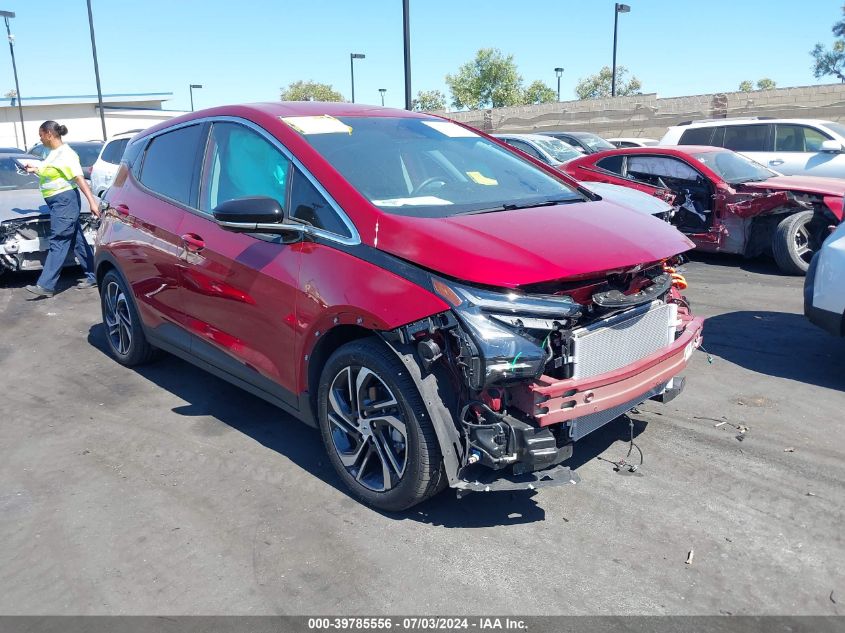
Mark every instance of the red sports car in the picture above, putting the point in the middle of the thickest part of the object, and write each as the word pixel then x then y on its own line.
pixel 725 202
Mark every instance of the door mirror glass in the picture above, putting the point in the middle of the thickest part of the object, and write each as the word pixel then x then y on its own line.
pixel 250 210
pixel 832 146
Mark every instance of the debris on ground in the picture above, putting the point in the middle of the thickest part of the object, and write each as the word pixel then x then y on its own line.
pixel 811 494
pixel 690 556
pixel 832 599
pixel 789 449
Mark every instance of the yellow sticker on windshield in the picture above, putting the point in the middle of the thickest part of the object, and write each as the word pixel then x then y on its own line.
pixel 323 124
pixel 481 179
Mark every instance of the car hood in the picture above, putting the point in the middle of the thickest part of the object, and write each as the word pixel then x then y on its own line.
pixel 17 204
pixel 808 184
pixel 526 246
pixel 627 197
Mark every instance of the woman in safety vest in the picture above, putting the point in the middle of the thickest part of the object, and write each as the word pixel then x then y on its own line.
pixel 60 177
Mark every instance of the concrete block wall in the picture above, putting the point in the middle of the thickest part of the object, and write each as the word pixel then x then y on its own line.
pixel 649 116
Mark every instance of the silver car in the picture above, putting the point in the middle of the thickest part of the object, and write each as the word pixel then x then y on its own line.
pixel 25 218
pixel 550 150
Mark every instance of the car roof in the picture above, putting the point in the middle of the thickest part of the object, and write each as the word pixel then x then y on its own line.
pixel 276 109
pixel 540 138
pixel 750 121
pixel 658 149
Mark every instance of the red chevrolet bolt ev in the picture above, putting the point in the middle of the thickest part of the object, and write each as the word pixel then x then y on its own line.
pixel 448 312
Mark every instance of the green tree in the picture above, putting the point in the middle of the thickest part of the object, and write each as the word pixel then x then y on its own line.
pixel 598 86
pixel 428 101
pixel 831 62
pixel 766 84
pixel 746 86
pixel 538 92
pixel 310 91
pixel 490 80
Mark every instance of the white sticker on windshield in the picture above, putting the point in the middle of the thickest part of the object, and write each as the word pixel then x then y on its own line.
pixel 411 202
pixel 450 129
pixel 324 124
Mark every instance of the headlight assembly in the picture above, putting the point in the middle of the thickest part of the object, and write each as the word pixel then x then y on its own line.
pixel 508 330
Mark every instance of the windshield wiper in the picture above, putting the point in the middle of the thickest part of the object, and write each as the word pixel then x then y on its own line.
pixel 514 207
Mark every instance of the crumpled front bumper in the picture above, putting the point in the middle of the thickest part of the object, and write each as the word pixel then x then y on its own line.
pixel 552 401
pixel 26 249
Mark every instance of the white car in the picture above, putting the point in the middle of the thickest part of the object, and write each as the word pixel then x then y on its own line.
pixel 108 161
pixel 824 286
pixel 628 141
pixel 810 147
pixel 548 149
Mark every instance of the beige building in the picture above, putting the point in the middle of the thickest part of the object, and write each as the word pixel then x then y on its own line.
pixel 81 115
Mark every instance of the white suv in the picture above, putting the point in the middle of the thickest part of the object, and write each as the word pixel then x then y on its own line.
pixel 790 146
pixel 105 168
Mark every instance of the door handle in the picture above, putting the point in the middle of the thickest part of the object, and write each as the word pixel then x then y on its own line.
pixel 193 243
pixel 776 162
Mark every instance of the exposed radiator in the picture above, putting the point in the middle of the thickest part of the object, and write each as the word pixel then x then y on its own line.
pixel 622 339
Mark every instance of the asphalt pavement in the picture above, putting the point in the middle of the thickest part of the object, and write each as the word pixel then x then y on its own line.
pixel 164 490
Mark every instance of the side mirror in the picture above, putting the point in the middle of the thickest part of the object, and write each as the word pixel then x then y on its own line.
pixel 255 214
pixel 831 146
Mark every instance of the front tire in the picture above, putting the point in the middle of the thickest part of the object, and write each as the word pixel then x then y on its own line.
pixel 124 334
pixel 794 243
pixel 376 428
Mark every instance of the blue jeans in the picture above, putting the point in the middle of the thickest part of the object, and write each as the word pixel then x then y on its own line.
pixel 65 235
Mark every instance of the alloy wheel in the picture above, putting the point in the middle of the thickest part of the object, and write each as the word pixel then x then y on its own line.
pixel 803 242
pixel 118 319
pixel 368 428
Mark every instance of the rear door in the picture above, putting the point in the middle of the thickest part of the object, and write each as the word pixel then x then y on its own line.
pixel 149 204
pixel 239 290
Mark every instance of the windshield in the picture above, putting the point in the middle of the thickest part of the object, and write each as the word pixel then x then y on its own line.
pixel 428 167
pixel 13 177
pixel 557 149
pixel 595 143
pixel 734 168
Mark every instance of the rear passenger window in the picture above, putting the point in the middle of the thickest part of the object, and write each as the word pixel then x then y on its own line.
pixel 696 136
pixel 170 162
pixel 747 138
pixel 113 152
pixel 611 163
pixel 525 147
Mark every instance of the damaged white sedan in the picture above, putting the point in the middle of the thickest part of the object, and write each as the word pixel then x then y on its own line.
pixel 25 219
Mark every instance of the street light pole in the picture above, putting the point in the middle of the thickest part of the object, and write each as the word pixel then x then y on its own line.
pixel 97 70
pixel 6 15
pixel 191 88
pixel 559 73
pixel 382 91
pixel 618 8
pixel 406 31
pixel 352 58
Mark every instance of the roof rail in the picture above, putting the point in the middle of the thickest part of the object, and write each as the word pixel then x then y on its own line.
pixel 732 118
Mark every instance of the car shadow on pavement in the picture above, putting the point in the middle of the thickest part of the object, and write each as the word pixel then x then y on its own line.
pixel 762 265
pixel 207 395
pixel 780 344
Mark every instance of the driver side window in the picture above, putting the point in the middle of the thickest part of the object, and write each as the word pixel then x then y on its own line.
pixel 240 163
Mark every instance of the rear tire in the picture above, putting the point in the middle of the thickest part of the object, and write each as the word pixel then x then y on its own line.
pixel 794 243
pixel 376 428
pixel 124 333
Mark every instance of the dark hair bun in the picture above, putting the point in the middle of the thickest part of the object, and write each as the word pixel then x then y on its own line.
pixel 62 130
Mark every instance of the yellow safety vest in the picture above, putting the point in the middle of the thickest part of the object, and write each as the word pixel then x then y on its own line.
pixel 58 170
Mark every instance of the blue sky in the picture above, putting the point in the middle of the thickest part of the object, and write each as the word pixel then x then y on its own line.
pixel 247 50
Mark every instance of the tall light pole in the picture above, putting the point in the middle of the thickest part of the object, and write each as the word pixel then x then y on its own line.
pixel 406 39
pixel 352 58
pixel 619 8
pixel 191 88
pixel 559 73
pixel 382 91
pixel 6 15
pixel 96 70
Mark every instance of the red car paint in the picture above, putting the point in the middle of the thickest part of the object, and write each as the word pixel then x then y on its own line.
pixel 730 201
pixel 249 306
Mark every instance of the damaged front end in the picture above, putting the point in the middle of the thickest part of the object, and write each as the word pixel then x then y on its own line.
pixel 537 369
pixel 24 242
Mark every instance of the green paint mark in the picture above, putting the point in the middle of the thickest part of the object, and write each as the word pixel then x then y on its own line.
pixel 513 362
